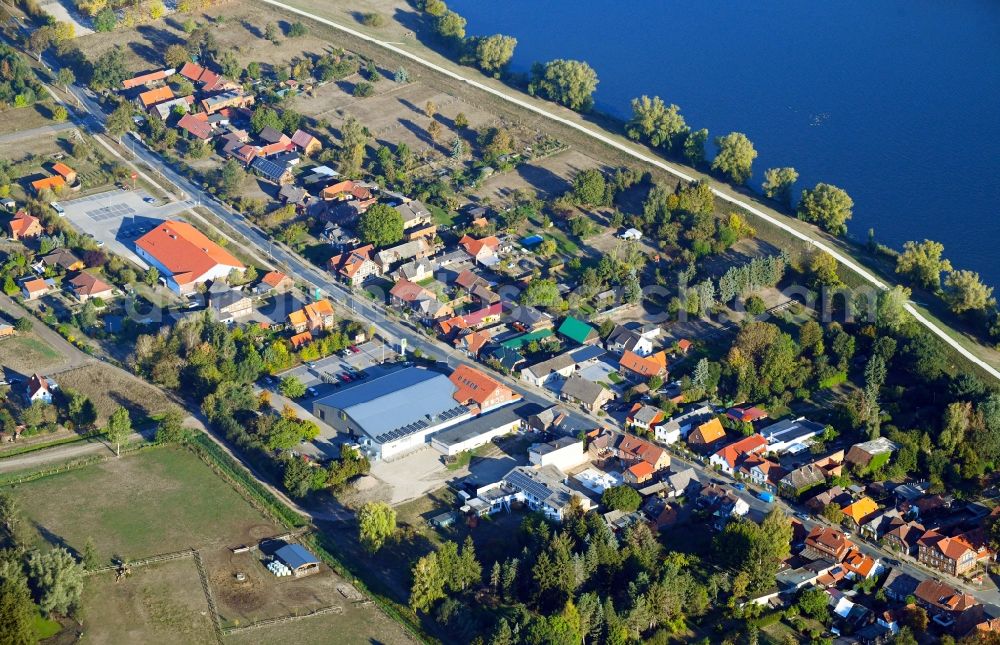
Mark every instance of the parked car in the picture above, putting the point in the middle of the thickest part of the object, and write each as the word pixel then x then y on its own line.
pixel 58 208
pixel 311 391
pixel 345 378
pixel 149 200
pixel 354 349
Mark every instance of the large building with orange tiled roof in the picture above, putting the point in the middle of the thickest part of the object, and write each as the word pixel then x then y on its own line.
pixel 184 256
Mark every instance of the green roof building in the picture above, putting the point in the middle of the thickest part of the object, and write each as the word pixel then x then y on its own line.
pixel 520 341
pixel 578 331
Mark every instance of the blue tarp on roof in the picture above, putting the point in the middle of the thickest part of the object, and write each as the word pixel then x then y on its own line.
pixel 295 556
pixel 532 240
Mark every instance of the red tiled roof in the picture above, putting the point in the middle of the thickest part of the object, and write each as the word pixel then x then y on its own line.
pixel 87 284
pixel 641 469
pixel 478 316
pixel 35 286
pixel 48 182
pixel 828 540
pixel 185 251
pixel 63 170
pixel 142 79
pixel 473 246
pixel 274 278
pixel 303 139
pixel 196 124
pixel 298 340
pixel 949 547
pixel 475 386
pixel 636 448
pixel 349 263
pixel 407 291
pixel 643 366
pixel 732 452
pixel 156 95
pixel 21 223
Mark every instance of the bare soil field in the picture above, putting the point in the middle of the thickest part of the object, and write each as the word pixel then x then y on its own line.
pixel 27 353
pixel 549 177
pixel 33 160
pixel 158 603
pixel 263 595
pixel 236 26
pixel 26 118
pixel 109 388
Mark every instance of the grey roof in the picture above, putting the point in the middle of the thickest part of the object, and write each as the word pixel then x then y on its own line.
pixel 508 358
pixel 581 389
pixel 223 299
pixel 876 446
pixel 544 484
pixel 688 419
pixel 791 429
pixel 646 414
pixel 590 352
pixel 804 477
pixel 398 403
pixel 552 446
pixel 477 426
pixel 270 135
pixel 413 210
pixel 554 364
pixel 680 481
pixel 412 268
pixel 270 169
pixel 899 584
pixel 295 556
pixel 526 315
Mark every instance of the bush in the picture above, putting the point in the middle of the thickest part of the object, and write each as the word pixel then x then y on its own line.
pixel 755 305
pixel 373 19
pixel 363 89
pixel 621 498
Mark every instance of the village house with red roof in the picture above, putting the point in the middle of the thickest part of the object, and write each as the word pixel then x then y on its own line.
pixel 728 457
pixel 354 267
pixel 24 226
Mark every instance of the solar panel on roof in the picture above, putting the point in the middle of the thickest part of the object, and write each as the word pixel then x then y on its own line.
pixel 520 480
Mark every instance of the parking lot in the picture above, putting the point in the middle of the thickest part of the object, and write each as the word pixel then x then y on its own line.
pixel 329 375
pixel 115 218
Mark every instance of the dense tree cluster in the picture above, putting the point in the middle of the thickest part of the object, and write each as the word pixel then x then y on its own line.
pixel 569 82
pixel 571 583
pixel 18 85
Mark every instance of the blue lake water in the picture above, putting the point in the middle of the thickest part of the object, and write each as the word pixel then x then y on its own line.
pixel 896 101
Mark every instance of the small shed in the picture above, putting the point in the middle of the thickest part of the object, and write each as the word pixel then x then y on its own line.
pixel 298 559
pixel 444 520
pixel 631 234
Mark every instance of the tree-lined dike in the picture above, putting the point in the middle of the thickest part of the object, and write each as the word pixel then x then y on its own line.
pixel 606 139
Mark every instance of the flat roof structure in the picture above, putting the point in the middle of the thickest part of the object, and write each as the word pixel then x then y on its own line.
pixel 398 403
pixel 477 426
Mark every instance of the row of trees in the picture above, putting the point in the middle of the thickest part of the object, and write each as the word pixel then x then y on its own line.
pixel 964 292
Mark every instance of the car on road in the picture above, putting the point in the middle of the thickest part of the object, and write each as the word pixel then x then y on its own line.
pixel 892 562
pixel 801 516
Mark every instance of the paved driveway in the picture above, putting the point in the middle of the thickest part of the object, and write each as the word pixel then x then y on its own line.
pixel 118 217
